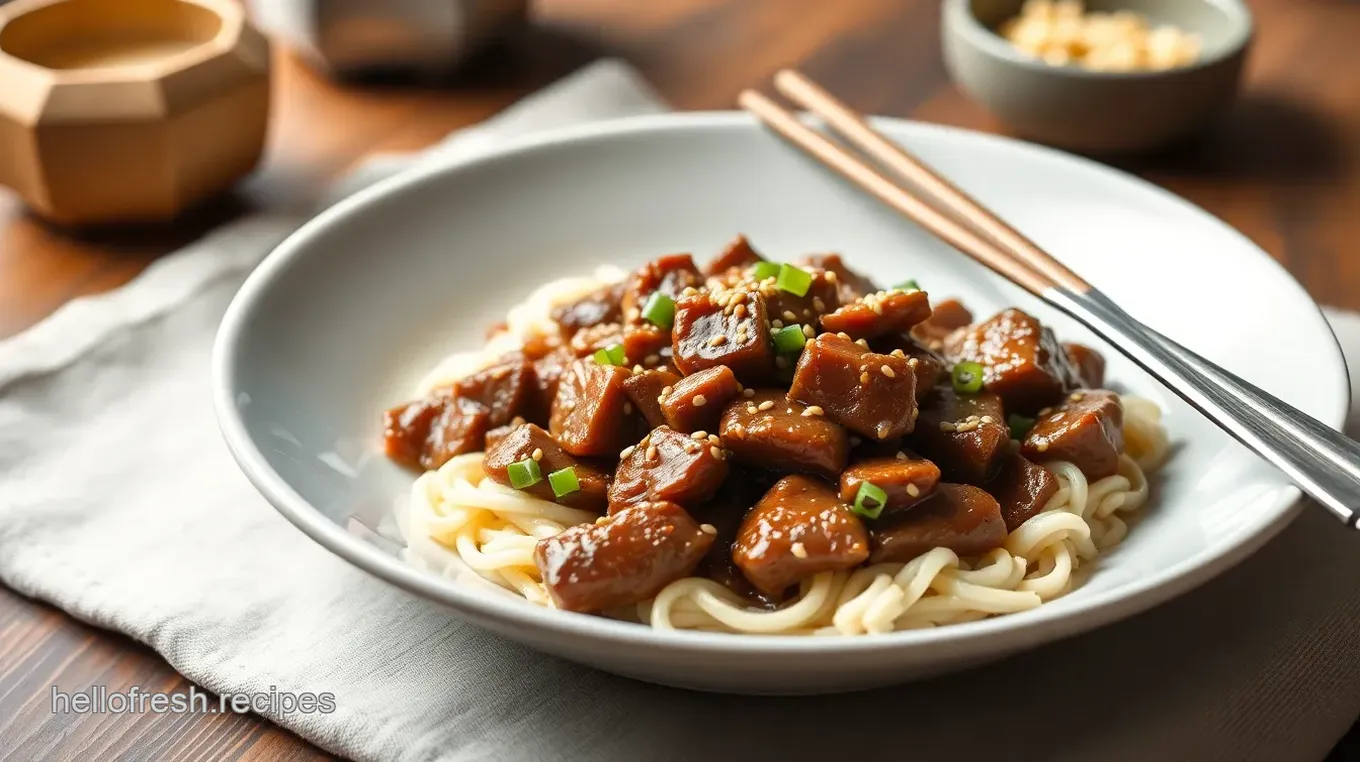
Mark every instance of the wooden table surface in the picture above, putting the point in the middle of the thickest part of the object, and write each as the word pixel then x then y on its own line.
pixel 1282 167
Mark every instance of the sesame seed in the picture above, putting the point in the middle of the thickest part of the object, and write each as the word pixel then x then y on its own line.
pixel 601 521
pixel 864 377
pixel 708 529
pixel 638 368
pixel 739 311
pixel 830 276
pixel 691 446
pixel 843 335
pixel 913 490
pixel 882 430
pixel 627 451
pixel 776 323
pixel 807 313
pixel 947 426
pixel 862 343
pixel 537 453
pixel 813 410
pixel 652 359
pixel 700 434
pixel 1076 396
pixel 986 419
pixel 789 316
pixel 689 291
pixel 713 439
pixel 913 362
pixel 699 400
pixel 900 455
pixel 1041 446
pixel 766 405
pixel 875 306
pixel 665 392
pixel 715 452
pixel 748 393
pixel 517 421
pixel 798 550
pixel 818 304
pixel 897 353
pixel 1045 412
pixel 652 453
pixel 717 340
pixel 751 410
pixel 808 332
pixel 889 372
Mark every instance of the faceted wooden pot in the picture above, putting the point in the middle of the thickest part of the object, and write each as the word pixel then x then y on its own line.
pixel 128 110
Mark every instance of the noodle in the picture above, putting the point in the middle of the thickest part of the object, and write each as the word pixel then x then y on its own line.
pixel 461 525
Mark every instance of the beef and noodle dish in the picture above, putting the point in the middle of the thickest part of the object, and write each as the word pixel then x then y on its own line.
pixel 765 447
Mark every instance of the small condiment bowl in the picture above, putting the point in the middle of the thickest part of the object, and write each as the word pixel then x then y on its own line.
pixel 128 111
pixel 1095 111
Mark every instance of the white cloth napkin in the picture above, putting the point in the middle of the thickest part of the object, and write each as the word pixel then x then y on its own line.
pixel 120 504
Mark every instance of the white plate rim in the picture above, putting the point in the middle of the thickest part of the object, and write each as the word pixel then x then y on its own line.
pixel 1032 627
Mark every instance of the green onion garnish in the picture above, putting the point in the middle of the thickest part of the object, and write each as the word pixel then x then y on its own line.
pixel 524 473
pixel 869 501
pixel 789 339
pixel 611 355
pixel 659 310
pixel 564 482
pixel 908 285
pixel 1020 425
pixel 967 378
pixel 766 270
pixel 794 280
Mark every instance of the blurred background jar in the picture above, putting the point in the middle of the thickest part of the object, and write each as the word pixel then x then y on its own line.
pixel 425 37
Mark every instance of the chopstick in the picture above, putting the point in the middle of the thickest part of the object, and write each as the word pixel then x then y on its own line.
pixel 1324 463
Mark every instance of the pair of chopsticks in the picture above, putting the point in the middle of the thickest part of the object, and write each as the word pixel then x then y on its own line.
pixel 999 247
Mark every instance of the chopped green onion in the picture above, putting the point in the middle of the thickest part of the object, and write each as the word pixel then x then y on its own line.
pixel 659 310
pixel 564 482
pixel 869 501
pixel 766 270
pixel 789 339
pixel 611 355
pixel 524 473
pixel 1020 425
pixel 967 378
pixel 794 280
pixel 908 285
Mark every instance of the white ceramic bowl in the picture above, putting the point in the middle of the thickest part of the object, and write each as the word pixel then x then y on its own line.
pixel 341 320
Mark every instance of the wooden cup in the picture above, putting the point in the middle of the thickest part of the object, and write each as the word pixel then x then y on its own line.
pixel 128 110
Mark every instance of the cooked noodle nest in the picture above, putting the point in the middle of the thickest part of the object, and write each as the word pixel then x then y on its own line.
pixel 459 524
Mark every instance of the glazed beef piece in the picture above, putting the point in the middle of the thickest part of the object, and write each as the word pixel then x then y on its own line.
pixel 428 432
pixel 965 434
pixel 646 345
pixel 798 529
pixel 879 313
pixel 724 513
pixel 548 371
pixel 868 393
pixel 736 254
pixel 501 432
pixel 787 308
pixel 770 432
pixel 1089 364
pixel 1086 431
pixel 928 366
pixel 906 477
pixel 849 283
pixel 603 305
pixel 730 329
pixel 587 340
pixel 946 317
pixel 506 390
pixel 1021 360
pixel 1022 489
pixel 644 391
pixel 668 465
pixel 960 517
pixel 588 414
pixel 696 402
pixel 622 560
pixel 523 442
pixel 669 275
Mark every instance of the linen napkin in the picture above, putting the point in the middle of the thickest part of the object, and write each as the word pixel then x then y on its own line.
pixel 120 504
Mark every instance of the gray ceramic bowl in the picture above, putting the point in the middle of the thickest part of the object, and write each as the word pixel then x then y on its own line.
pixel 1099 112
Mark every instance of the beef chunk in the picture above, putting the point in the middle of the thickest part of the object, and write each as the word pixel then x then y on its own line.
pixel 644 389
pixel 622 560
pixel 668 465
pixel 788 308
pixel 696 402
pixel 798 529
pixel 724 513
pixel 506 390
pixel 729 329
pixel 738 253
pixel 879 313
pixel 928 366
pixel 427 432
pixel 522 442
pixel 945 318
pixel 871 394
pixel 588 415
pixel 1089 364
pixel 851 284
pixel 588 340
pixel 965 434
pixel 770 432
pixel 600 306
pixel 669 275
pixel 1022 489
pixel 963 518
pixel 501 432
pixel 646 345
pixel 1022 361
pixel 548 371
pixel 1086 431
pixel 906 477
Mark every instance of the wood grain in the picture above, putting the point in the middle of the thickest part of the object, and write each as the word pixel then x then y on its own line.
pixel 1282 167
